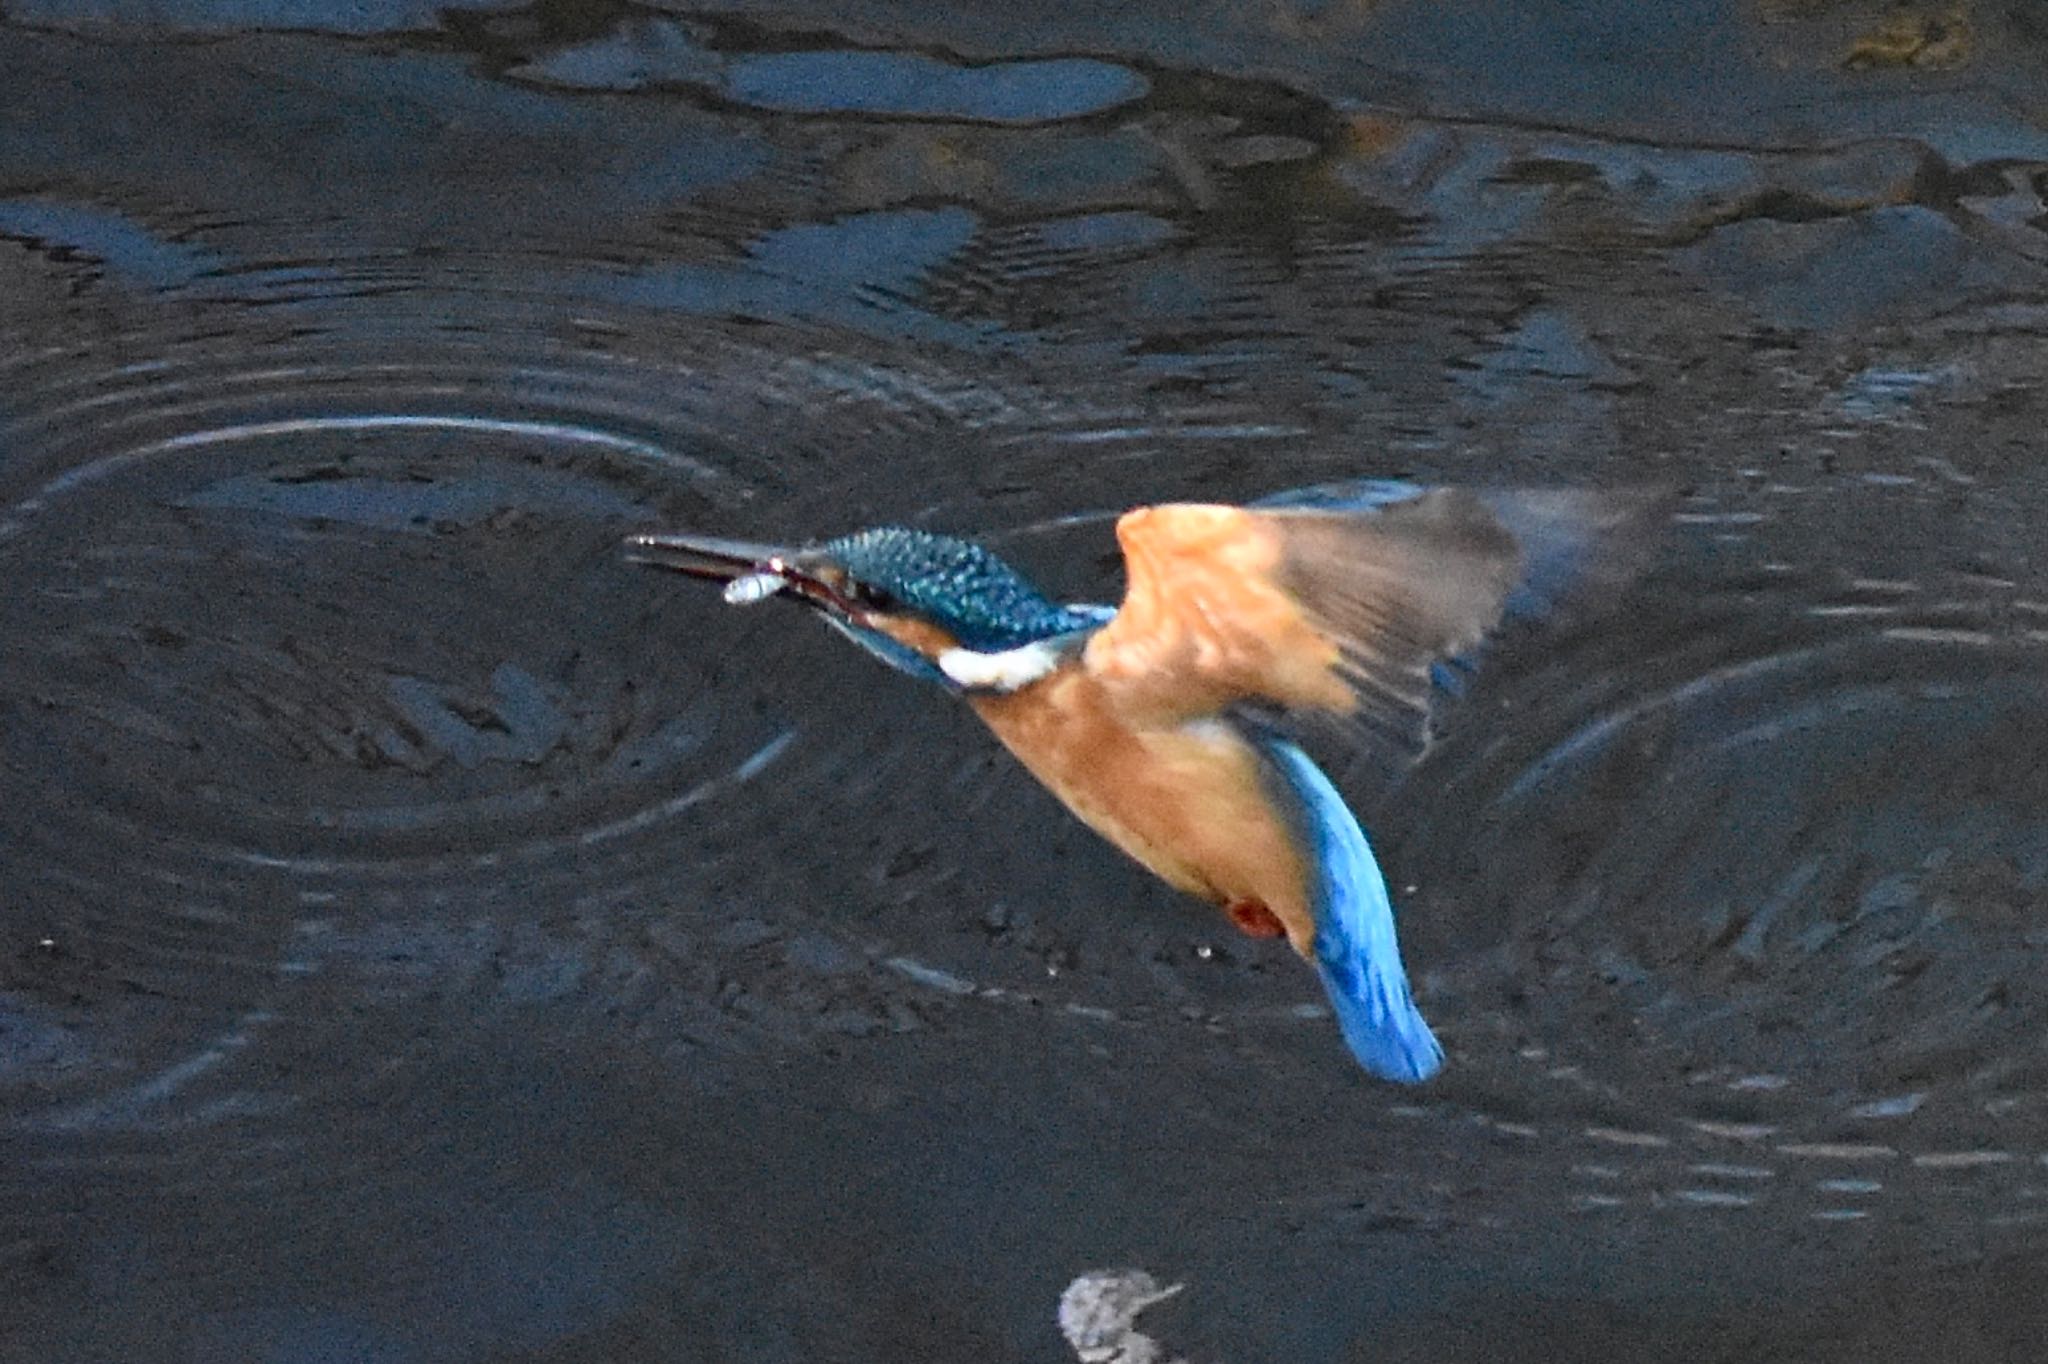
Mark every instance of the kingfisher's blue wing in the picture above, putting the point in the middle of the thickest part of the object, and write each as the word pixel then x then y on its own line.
pixel 1357 953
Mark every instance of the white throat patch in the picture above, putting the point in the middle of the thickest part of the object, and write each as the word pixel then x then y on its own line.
pixel 1004 671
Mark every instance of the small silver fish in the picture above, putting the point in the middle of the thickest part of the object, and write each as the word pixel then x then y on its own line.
pixel 754 587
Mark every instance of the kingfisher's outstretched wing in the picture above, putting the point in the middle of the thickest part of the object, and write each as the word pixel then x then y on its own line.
pixel 1346 600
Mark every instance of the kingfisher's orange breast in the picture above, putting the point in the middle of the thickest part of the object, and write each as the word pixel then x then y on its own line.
pixel 1188 801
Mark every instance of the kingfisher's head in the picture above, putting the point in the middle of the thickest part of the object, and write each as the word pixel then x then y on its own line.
pixel 936 607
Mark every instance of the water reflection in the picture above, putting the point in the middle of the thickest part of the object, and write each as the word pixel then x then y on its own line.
pixel 660 53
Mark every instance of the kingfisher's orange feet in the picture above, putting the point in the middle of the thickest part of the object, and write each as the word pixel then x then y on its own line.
pixel 1253 919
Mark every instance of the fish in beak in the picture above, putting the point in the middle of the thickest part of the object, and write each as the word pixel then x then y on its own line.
pixel 751 572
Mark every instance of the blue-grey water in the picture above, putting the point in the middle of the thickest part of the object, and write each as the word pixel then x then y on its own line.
pixel 425 937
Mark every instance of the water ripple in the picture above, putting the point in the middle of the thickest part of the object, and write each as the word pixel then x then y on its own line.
pixel 326 683
pixel 1769 874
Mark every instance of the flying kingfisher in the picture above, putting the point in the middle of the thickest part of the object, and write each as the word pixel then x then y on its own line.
pixel 1163 723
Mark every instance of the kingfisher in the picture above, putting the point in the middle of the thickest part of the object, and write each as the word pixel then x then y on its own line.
pixel 1169 724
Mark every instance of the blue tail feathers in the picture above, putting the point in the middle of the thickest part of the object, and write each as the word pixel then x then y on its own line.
pixel 1356 951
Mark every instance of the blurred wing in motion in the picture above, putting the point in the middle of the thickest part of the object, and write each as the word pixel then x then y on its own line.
pixel 1349 600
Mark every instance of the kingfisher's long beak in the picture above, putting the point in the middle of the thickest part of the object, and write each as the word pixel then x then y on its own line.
pixel 705 556
pixel 751 572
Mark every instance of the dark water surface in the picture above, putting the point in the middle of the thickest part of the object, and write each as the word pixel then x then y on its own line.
pixel 425 937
